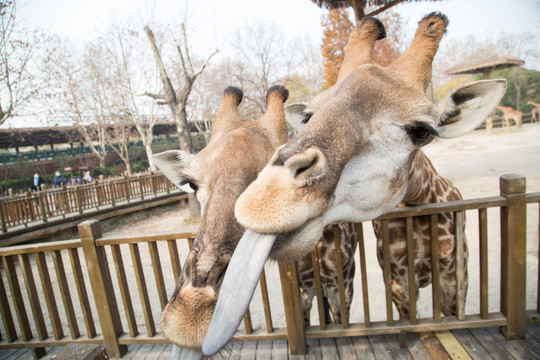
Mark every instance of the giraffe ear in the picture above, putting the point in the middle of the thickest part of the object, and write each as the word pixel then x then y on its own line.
pixel 172 163
pixel 465 108
pixel 295 115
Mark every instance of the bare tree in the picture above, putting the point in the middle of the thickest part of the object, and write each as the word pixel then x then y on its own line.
pixel 17 46
pixel 177 100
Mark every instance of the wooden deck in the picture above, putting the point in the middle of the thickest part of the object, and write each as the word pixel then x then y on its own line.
pixel 482 343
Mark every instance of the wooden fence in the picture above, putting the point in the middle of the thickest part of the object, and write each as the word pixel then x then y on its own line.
pixel 127 310
pixel 43 205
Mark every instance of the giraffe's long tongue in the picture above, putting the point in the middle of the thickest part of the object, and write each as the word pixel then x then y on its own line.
pixel 237 289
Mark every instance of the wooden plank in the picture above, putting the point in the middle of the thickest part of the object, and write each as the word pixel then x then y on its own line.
pixel 445 207
pixel 461 290
pixel 124 290
pixel 16 295
pixel 387 275
pixel 84 301
pixel 266 303
pixel 318 288
pixel 247 322
pixel 363 272
pixel 329 349
pixel 292 308
pixel 279 349
pixel 345 348
pixel 452 345
pixel 434 346
pixel 264 350
pixel 48 293
pixel 158 274
pixel 235 350
pixel 483 250
pixel 100 279
pixel 435 267
pixel 378 344
pixel 5 311
pixel 492 347
pixel 362 347
pixel 411 250
pixel 341 282
pixel 520 349
pixel 175 258
pixel 424 325
pixel 471 345
pixel 314 351
pixel 249 349
pixel 33 298
pixel 416 348
pixel 66 295
pixel 513 255
pixel 394 348
pixel 143 290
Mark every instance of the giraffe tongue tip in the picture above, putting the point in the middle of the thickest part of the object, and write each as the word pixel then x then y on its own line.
pixel 244 269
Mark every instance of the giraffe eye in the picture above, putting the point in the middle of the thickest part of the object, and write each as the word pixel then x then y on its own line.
pixel 420 133
pixel 307 117
pixel 191 184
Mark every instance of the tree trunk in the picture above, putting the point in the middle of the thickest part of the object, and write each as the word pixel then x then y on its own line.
pixel 149 155
pixel 177 110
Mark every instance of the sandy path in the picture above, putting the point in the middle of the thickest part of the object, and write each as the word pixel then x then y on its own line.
pixel 474 163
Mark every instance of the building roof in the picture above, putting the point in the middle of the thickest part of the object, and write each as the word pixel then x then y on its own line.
pixel 485 61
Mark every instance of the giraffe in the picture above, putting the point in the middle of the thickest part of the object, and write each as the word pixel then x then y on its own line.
pixel 352 160
pixel 218 174
pixel 510 113
pixel 425 186
pixel 535 112
pixel 236 152
pixel 328 271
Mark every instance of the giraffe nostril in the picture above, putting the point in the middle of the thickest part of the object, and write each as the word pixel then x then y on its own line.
pixel 305 165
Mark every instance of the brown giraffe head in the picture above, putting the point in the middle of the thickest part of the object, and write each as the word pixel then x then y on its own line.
pixel 235 154
pixel 352 159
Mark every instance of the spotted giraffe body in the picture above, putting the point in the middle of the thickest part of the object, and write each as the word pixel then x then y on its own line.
pixel 328 270
pixel 425 186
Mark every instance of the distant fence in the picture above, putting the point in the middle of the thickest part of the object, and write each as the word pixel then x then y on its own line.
pixel 43 205
pixel 126 311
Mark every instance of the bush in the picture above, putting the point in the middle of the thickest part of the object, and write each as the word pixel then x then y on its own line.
pixel 106 171
pixel 140 166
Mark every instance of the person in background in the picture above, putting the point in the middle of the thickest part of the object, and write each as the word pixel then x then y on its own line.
pixel 37 181
pixel 87 177
pixel 59 180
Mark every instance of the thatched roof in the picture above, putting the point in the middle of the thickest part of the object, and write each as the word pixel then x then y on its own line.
pixel 485 61
pixel 359 6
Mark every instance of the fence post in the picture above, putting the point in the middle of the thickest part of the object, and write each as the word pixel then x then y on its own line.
pixel 513 255
pixel 126 187
pixel 2 218
pixel 141 190
pixel 102 287
pixel 41 201
pixel 78 199
pixel 111 192
pixel 293 309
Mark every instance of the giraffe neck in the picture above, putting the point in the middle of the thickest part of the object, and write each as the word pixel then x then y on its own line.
pixel 426 185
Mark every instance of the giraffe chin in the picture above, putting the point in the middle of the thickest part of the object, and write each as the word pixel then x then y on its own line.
pixel 186 317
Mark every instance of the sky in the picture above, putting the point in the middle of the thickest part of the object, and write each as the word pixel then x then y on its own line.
pixel 212 23
pixel 216 20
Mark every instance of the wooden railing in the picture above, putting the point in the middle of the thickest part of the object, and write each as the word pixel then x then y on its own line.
pixel 128 300
pixel 43 205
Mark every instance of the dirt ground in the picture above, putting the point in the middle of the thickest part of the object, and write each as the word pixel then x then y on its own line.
pixel 474 163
